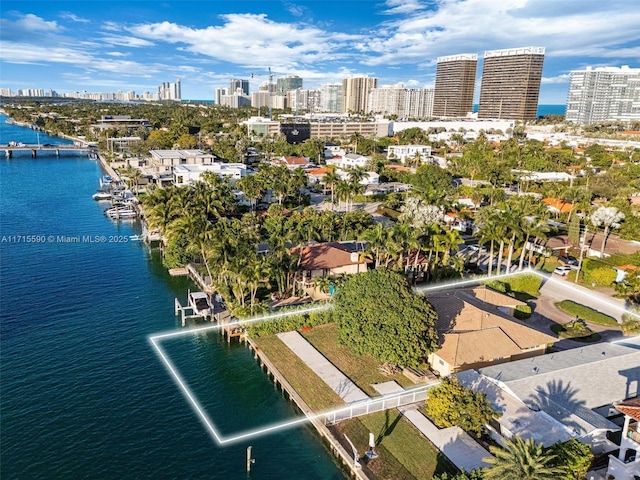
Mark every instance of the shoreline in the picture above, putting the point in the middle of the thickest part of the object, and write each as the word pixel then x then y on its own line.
pixel 271 370
pixel 338 451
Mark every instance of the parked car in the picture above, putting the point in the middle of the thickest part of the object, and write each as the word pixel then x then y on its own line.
pixel 568 260
pixel 475 247
pixel 562 270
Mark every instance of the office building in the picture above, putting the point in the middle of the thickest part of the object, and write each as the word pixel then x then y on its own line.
pixel 285 84
pixel 511 83
pixel 455 82
pixel 331 98
pixel 402 102
pixel 237 83
pixel 355 93
pixel 604 94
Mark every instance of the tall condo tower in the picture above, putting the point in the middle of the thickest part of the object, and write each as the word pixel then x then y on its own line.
pixel 355 93
pixel 288 83
pixel 455 82
pixel 604 93
pixel 511 83
pixel 237 83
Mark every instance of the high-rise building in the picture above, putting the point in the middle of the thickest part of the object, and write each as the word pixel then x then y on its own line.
pixel 285 84
pixel 402 102
pixel 355 93
pixel 604 93
pixel 455 82
pixel 331 97
pixel 300 100
pixel 219 93
pixel 237 83
pixel 511 83
pixel 170 91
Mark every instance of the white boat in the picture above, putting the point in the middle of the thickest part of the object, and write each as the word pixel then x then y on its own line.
pixel 102 196
pixel 121 211
pixel 200 303
pixel 135 238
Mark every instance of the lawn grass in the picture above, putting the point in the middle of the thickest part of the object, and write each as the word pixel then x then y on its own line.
pixel 524 286
pixel 313 390
pixel 361 369
pixel 585 313
pixel 577 332
pixel 404 453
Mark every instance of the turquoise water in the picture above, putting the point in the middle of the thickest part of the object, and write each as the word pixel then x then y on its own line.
pixel 82 393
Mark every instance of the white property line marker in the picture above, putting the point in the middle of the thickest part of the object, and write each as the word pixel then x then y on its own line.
pixel 155 340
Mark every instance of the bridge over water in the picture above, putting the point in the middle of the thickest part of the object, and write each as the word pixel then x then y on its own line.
pixel 9 148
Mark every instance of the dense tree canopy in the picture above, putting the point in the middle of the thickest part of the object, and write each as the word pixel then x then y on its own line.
pixel 574 457
pixel 451 404
pixel 378 314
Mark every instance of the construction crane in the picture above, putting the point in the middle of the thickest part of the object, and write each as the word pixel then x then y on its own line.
pixel 270 92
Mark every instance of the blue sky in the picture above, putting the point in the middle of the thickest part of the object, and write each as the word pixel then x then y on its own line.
pixel 104 46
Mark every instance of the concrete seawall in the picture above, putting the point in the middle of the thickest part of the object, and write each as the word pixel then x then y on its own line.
pixel 346 458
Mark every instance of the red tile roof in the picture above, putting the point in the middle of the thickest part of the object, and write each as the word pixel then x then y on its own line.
pixel 325 256
pixel 630 408
pixel 557 204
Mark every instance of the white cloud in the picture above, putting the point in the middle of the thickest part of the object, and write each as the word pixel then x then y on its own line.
pixel 117 54
pixel 562 78
pixel 33 23
pixel 401 7
pixel 126 41
pixel 73 17
pixel 13 52
pixel 457 26
pixel 253 41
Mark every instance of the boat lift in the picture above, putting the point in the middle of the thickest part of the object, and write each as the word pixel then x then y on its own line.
pixel 189 311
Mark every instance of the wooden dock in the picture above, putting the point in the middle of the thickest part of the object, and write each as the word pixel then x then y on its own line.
pixel 279 381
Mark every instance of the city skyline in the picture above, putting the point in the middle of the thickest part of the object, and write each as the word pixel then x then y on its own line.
pixel 108 46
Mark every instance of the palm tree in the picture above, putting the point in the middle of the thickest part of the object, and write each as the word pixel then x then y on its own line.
pixel 521 460
pixel 330 179
pixel 610 218
pixel 376 239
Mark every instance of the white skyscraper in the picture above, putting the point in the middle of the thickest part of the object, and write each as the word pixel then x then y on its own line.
pixel 355 93
pixel 331 97
pixel 604 93
pixel 400 101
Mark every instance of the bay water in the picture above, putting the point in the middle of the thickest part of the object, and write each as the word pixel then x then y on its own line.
pixel 82 393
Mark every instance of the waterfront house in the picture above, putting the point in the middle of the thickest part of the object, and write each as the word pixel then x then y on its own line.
pixel 476 328
pixel 163 160
pixel 577 388
pixel 626 465
pixel 329 259
pixel 190 174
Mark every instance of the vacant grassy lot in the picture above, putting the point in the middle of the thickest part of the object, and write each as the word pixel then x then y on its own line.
pixel 362 370
pixel 404 453
pixel 586 313
pixel 313 390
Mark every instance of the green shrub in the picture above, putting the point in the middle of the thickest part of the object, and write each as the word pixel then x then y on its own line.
pixel 630 327
pixel 522 312
pixel 585 313
pixel 601 276
pixel 288 324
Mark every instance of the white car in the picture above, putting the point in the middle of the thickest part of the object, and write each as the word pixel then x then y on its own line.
pixel 562 270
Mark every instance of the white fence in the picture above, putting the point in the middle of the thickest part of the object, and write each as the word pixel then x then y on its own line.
pixel 379 404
